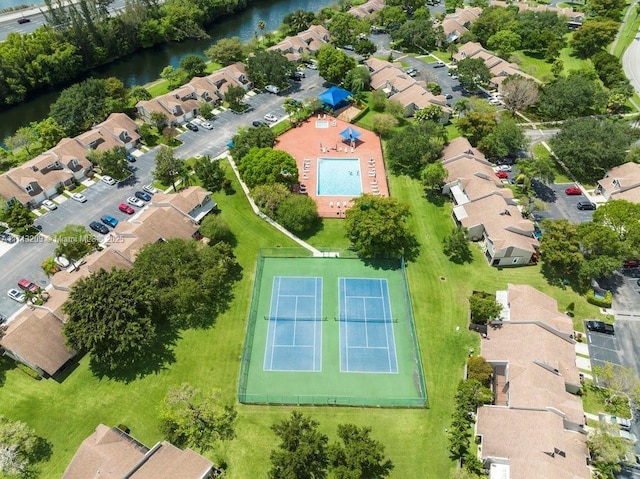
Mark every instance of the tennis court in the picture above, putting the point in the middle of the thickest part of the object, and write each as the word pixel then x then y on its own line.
pixel 367 343
pixel 331 331
pixel 294 333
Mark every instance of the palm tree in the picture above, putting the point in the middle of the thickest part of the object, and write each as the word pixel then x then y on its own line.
pixel 262 25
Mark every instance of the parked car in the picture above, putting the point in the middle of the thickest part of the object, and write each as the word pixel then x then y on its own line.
pixel 131 168
pixel 109 221
pixel 270 117
pixel 125 208
pixel 272 89
pixel 28 285
pixel 258 123
pixel 131 158
pixel 191 126
pixel 108 180
pixel 142 196
pixel 586 205
pixel 503 175
pixel 620 421
pixel 631 263
pixel 448 96
pixel 152 190
pixel 439 64
pixel 600 327
pixel 411 71
pixel 504 168
pixel 629 436
pixel 3 318
pixel 573 191
pixel 205 124
pixel 298 75
pixel 99 227
pixel 132 200
pixel 312 66
pixel 50 205
pixel 348 47
pixel 7 238
pixel 16 295
pixel 495 102
pixel 79 197
pixel 23 20
pixel 62 261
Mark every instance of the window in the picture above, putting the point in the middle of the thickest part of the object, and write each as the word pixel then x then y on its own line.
pixel 516 260
pixel 29 188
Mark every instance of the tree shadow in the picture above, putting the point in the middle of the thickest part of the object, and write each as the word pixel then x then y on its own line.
pixel 6 364
pixel 555 278
pixel 151 359
pixel 316 228
pixel 462 257
pixel 435 198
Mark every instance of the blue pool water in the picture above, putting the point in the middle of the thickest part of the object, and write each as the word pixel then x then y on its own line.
pixel 339 177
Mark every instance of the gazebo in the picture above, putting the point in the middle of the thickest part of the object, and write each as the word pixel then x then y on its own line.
pixel 350 134
pixel 335 97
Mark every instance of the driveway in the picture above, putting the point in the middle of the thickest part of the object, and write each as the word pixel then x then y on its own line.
pixel 626 292
pixel 214 142
pixel 558 204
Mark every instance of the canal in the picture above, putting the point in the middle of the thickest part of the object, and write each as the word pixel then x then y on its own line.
pixel 146 65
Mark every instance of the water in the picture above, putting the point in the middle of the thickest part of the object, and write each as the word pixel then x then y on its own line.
pixel 17 3
pixel 145 66
pixel 339 177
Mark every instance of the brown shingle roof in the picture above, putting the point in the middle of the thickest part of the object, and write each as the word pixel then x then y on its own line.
pixel 166 461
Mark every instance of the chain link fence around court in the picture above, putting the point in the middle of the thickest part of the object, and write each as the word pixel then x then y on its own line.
pixel 329 400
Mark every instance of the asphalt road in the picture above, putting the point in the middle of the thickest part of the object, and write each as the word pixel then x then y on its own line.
pixel 558 204
pixel 631 63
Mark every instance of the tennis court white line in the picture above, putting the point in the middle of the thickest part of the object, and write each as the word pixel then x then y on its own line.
pixel 294 346
pixel 364 297
pixel 297 296
pixel 368 347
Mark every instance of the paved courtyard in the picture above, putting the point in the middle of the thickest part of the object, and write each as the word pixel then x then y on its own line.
pixel 319 138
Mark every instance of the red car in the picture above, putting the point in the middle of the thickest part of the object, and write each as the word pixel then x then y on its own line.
pixel 125 208
pixel 503 175
pixel 573 191
pixel 27 285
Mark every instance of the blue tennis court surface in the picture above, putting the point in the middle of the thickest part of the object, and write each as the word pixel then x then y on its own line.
pixel 294 334
pixel 367 343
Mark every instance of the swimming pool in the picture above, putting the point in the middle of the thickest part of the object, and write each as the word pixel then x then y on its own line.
pixel 339 177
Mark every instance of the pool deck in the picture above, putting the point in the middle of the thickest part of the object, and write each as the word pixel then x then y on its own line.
pixel 307 142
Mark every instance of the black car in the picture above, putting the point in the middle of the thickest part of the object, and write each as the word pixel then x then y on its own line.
pixel 600 327
pixel 297 75
pixel 191 126
pixel 258 123
pixel 7 238
pixel 142 196
pixel 586 205
pixel 131 158
pixel 99 227
pixel 23 20
pixel 448 96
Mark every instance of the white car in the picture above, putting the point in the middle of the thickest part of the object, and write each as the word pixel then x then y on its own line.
pixel 108 180
pixel 79 197
pixel 624 423
pixel 312 66
pixel 50 205
pixel 272 89
pixel 16 295
pixel 132 200
pixel 495 102
pixel 205 124
pixel 152 190
pixel 506 168
pixel 62 261
pixel 270 117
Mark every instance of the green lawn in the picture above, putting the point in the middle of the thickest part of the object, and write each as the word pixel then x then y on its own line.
pixel 629 32
pixel 66 413
pixel 540 69
pixel 540 151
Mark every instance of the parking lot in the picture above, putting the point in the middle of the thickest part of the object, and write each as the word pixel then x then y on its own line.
pixel 558 204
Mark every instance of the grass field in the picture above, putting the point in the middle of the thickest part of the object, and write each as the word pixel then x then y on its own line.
pixel 415 439
pixel 628 33
pixel 540 69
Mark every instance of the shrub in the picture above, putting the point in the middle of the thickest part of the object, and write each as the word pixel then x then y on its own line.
pixel 600 302
pixel 28 371
pixel 479 369
pixel 484 308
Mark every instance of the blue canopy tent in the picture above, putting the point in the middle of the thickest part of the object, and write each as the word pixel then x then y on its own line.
pixel 334 97
pixel 350 134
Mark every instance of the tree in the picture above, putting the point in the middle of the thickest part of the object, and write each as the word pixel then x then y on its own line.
pixel 210 173
pixel 519 93
pixel 111 162
pixel 542 168
pixel 298 21
pixel 247 138
pixel 24 137
pixel 49 132
pixel 298 213
pixel 159 120
pixel 504 42
pixel 191 282
pixel 378 100
pixel 174 76
pixel 19 218
pixel 20 449
pixel 302 452
pixel 217 229
pixel 593 35
pixel 110 317
pixel 365 47
pixel 359 456
pixel 620 381
pixel 378 227
pixel 472 73
pixel 609 69
pixel 456 246
pixel 410 150
pixel 191 419
pixel 480 370
pixel 484 308
pixel 476 124
pixel 49 266
pixel 346 28
pixel 234 96
pixel 333 64
pixel 590 147
pixel 433 176
pixel 506 139
pixel 608 450
pixel 611 9
pixel 74 242
pixel 383 123
pixel 571 97
pixel 492 20
pixel 267 166
pixel 269 67
pixel 430 113
pixel 168 168
pixel 623 218
pixel 138 93
pixel 416 36
pixel 358 79
pixel 226 51
pixel 560 250
pixel 193 65
pixel 268 197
